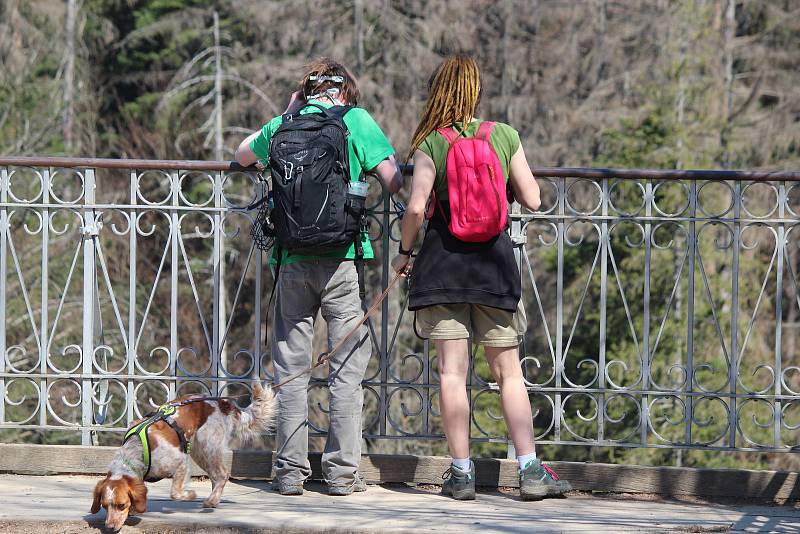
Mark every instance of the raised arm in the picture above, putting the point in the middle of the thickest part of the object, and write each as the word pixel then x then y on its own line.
pixel 526 190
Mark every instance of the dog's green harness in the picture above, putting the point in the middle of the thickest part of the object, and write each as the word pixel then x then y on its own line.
pixel 164 413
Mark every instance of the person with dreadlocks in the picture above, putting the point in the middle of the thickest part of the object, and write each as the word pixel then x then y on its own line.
pixel 319 279
pixel 470 288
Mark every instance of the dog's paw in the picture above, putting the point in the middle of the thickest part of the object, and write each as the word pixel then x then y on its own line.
pixel 184 496
pixel 210 503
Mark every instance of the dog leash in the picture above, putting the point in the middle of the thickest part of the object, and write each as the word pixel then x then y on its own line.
pixel 166 410
pixel 325 356
pixel 201 399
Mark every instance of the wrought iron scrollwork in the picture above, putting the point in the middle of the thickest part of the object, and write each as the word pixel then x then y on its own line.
pixel 662 308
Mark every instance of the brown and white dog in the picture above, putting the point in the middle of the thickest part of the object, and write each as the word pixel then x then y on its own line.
pixel 209 426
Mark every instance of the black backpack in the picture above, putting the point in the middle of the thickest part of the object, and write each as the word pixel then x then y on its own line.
pixel 309 209
pixel 308 160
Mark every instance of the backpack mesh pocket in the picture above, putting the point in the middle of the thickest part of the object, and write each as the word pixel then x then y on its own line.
pixel 263 231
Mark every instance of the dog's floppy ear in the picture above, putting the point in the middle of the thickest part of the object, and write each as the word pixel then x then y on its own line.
pixel 138 493
pixel 98 489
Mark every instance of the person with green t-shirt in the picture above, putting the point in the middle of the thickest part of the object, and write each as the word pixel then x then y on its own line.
pixel 326 282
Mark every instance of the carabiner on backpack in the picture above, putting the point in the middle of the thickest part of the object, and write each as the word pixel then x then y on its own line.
pixel 288 170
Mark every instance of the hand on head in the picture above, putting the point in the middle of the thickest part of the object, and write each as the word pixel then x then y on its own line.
pixel 296 101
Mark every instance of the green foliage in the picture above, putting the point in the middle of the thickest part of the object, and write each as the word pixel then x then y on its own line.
pixel 640 144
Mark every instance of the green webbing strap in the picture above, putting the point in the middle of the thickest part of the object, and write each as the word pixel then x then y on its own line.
pixel 140 430
pixel 165 413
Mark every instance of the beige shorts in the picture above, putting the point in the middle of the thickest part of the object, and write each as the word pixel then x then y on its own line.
pixel 488 326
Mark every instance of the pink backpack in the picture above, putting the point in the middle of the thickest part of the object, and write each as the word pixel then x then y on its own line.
pixel 476 186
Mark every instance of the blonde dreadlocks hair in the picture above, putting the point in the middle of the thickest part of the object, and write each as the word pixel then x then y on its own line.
pixel 454 91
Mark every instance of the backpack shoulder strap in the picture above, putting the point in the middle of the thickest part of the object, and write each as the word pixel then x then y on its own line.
pixel 323 109
pixel 449 134
pixel 339 111
pixel 485 130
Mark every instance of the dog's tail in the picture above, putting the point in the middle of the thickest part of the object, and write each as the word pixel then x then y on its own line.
pixel 259 416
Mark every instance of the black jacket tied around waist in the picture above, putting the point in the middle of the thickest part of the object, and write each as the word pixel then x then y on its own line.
pixel 450 271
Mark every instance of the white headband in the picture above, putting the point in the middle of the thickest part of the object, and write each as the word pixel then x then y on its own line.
pixel 334 79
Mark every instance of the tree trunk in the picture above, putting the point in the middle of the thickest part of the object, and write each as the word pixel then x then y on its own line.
pixel 727 91
pixel 680 100
pixel 219 155
pixel 505 82
pixel 358 23
pixel 69 78
pixel 218 142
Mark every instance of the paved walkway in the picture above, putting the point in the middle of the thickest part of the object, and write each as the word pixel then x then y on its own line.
pixel 51 504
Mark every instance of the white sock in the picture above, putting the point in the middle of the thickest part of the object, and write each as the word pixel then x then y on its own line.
pixel 525 458
pixel 461 463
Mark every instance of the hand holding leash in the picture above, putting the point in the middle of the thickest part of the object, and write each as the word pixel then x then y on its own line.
pixel 402 265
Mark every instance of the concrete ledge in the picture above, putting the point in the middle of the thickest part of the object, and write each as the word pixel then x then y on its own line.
pixel 380 468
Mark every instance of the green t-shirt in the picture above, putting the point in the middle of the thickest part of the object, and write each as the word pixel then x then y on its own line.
pixel 367 146
pixel 504 140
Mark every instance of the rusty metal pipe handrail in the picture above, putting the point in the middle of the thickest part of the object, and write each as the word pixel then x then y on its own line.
pixel 553 172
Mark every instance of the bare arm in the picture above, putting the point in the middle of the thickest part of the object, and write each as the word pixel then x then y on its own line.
pixel 244 154
pixel 389 173
pixel 526 190
pixel 421 187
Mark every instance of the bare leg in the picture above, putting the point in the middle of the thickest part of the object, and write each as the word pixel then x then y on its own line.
pixel 453 367
pixel 505 366
pixel 179 481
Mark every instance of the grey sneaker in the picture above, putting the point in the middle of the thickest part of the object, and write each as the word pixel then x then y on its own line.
pixel 538 481
pixel 459 484
pixel 357 486
pixel 285 488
